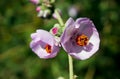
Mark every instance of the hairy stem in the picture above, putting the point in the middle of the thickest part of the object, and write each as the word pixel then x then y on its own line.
pixel 59 18
pixel 71 75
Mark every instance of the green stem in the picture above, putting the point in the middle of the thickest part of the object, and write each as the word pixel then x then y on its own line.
pixel 71 75
pixel 59 18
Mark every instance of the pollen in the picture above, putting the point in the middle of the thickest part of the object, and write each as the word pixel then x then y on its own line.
pixel 82 40
pixel 48 48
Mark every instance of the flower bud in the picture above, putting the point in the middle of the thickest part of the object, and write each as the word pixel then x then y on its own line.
pixel 52 1
pixel 47 12
pixel 55 29
pixel 38 8
pixel 40 14
pixel 55 16
pixel 35 1
pixel 72 11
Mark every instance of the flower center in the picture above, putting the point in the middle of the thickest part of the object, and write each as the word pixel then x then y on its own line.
pixel 82 40
pixel 48 48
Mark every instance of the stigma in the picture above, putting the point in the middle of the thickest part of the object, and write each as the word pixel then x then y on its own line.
pixel 82 40
pixel 48 48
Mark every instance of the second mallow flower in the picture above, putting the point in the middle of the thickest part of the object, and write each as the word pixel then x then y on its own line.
pixel 43 44
pixel 80 38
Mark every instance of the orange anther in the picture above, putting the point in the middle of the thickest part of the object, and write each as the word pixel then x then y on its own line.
pixel 82 40
pixel 48 48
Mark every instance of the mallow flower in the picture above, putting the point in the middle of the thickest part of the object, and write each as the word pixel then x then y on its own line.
pixel 44 44
pixel 80 38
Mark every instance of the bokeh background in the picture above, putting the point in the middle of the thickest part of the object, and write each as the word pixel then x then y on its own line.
pixel 18 19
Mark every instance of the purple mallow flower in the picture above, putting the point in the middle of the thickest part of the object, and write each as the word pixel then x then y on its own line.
pixel 80 39
pixel 44 44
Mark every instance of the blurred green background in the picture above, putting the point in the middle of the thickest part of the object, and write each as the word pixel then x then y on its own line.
pixel 18 19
